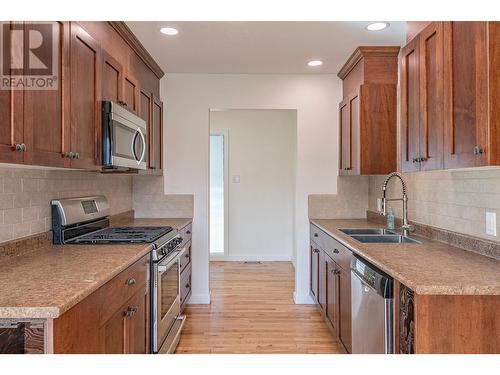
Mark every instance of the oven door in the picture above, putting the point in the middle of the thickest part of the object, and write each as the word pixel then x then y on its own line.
pixel 167 298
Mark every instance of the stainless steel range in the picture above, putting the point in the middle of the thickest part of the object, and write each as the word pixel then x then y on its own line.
pixel 86 221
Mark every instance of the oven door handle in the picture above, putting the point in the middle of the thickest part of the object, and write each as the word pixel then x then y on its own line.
pixel 164 265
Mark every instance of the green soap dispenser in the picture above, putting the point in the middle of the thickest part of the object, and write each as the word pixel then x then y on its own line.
pixel 390 219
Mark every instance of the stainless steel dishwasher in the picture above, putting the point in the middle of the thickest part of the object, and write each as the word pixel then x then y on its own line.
pixel 371 309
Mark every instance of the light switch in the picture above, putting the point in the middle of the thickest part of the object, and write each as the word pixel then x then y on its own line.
pixel 236 179
pixel 491 223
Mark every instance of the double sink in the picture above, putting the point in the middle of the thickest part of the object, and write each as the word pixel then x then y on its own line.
pixel 377 235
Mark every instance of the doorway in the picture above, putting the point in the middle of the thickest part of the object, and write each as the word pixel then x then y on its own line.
pixel 252 184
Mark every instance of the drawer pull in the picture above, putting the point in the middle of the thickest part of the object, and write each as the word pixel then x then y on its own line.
pixel 131 311
pixel 335 251
pixel 315 234
pixel 188 286
pixel 188 232
pixel 315 251
pixel 131 281
pixel 186 256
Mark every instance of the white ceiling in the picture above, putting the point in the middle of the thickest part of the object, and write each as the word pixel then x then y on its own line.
pixel 259 47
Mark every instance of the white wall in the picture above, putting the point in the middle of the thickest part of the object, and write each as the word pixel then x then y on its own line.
pixel 188 98
pixel 262 152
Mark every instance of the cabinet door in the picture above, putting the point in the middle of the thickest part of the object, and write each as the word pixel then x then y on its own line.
pixel 146 113
pixel 322 269
pixel 156 137
pixel 11 117
pixel 354 135
pixel 112 78
pixel 85 99
pixel 431 97
pixel 344 288
pixel 314 274
pixel 332 294
pixel 46 112
pixel 344 137
pixel 466 93
pixel 113 333
pixel 131 92
pixel 409 106
pixel 135 332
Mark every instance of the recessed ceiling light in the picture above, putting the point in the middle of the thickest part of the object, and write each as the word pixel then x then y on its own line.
pixel 315 63
pixel 377 26
pixel 169 31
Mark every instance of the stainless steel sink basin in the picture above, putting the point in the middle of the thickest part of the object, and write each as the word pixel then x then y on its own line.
pixel 384 238
pixel 379 231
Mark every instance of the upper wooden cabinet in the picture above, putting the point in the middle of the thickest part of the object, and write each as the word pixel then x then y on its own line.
pixel 96 61
pixel 449 89
pixel 367 114
pixel 85 99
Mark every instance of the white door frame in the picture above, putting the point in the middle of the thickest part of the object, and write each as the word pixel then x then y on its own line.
pixel 225 134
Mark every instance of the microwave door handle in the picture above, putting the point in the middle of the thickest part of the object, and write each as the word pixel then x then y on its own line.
pixel 143 146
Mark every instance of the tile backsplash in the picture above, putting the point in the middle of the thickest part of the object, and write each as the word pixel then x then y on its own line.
pixel 25 196
pixel 350 202
pixel 455 200
pixel 150 199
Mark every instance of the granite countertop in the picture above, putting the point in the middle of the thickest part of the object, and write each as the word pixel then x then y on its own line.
pixel 49 281
pixel 428 268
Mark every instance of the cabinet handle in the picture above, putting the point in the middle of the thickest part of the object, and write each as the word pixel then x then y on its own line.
pixel 315 234
pixel 336 251
pixel 315 251
pixel 186 256
pixel 347 168
pixel 131 281
pixel 188 286
pixel 478 150
pixel 77 155
pixel 188 232
pixel 336 272
pixel 20 147
pixel 131 311
pixel 70 155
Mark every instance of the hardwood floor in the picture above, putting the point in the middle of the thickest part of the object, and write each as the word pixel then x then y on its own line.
pixel 252 311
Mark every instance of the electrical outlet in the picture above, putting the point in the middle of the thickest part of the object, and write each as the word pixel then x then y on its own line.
pixel 491 223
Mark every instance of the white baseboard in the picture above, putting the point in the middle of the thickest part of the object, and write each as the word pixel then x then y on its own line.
pixel 251 258
pixel 302 299
pixel 199 299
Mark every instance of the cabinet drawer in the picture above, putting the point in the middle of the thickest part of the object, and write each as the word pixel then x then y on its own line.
pixel 338 252
pixel 317 236
pixel 186 234
pixel 185 258
pixel 185 287
pixel 123 286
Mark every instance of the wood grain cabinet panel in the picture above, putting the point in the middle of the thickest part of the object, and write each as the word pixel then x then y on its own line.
pixel 466 93
pixel 367 114
pixel 85 99
pixel 314 271
pixel 11 115
pixel 131 92
pixel 156 137
pixel 112 78
pixel 46 112
pixel 332 292
pixel 409 106
pixel 431 127
pixel 344 309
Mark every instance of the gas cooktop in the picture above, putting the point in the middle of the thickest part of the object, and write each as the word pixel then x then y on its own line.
pixel 123 235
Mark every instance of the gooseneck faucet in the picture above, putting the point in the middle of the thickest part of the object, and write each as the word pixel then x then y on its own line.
pixel 406 227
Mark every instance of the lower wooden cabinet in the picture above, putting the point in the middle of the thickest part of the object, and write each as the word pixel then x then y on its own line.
pixel 330 285
pixel 445 324
pixel 185 269
pixel 105 322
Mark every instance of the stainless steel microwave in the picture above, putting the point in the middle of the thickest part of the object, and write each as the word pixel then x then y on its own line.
pixel 124 136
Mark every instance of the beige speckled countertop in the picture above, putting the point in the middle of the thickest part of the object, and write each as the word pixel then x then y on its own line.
pixel 428 268
pixel 47 282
